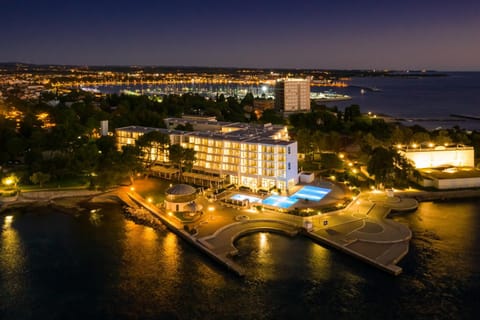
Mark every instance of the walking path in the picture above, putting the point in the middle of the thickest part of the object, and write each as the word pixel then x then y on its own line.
pixel 361 230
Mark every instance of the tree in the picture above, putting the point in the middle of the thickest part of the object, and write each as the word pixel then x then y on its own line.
pixel 389 166
pixel 305 143
pixel 129 160
pixel 443 137
pixel 40 178
pixel 182 157
pixel 271 116
pixel 352 112
pixel 420 137
pixel 153 144
pixel 381 165
pixel 247 100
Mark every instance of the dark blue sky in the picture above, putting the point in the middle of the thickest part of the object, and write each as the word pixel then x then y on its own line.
pixel 344 34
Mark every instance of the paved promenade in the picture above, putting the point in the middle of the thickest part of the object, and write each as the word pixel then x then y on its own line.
pixel 361 230
pixel 364 231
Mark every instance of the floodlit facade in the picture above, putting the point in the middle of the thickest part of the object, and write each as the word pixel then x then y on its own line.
pixel 444 167
pixel 292 95
pixel 255 156
pixel 440 156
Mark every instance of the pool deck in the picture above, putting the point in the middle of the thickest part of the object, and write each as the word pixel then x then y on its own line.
pixel 361 230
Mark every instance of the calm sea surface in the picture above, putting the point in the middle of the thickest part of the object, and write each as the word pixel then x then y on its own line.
pixel 82 266
pixel 423 101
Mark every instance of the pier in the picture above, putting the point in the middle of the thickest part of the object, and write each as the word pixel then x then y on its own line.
pixel 361 230
pixel 465 116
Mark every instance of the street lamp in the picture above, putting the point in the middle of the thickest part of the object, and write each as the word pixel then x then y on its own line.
pixel 10 180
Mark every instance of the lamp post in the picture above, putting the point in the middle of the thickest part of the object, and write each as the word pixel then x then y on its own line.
pixel 11 180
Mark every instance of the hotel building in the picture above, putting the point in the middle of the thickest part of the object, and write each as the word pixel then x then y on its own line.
pixel 254 156
pixel 292 95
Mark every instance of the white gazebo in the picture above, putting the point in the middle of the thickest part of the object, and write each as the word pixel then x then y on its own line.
pixel 181 198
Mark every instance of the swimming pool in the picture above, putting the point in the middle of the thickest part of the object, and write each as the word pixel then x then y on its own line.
pixel 241 197
pixel 310 193
pixel 279 201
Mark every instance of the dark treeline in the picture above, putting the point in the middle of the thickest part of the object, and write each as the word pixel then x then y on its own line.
pixel 73 146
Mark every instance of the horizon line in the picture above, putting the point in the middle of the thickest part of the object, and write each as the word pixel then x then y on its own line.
pixel 451 69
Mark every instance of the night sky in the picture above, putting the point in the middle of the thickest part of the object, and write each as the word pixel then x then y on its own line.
pixel 335 34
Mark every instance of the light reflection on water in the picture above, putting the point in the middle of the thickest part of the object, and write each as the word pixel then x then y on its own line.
pixel 12 261
pixel 117 269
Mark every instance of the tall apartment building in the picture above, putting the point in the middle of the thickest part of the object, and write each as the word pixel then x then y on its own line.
pixel 292 95
pixel 255 156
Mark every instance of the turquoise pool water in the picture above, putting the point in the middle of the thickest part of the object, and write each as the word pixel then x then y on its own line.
pixel 279 201
pixel 310 193
pixel 241 197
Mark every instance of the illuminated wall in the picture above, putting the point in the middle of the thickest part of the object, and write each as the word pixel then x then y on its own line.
pixel 439 157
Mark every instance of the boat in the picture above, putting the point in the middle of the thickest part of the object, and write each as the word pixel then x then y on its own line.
pixel 328 96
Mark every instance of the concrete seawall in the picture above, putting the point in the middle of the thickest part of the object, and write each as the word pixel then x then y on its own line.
pixel 440 195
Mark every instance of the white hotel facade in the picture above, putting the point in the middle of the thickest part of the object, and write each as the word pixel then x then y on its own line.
pixel 255 156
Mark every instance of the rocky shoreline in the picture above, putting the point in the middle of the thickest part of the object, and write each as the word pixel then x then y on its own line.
pixel 69 202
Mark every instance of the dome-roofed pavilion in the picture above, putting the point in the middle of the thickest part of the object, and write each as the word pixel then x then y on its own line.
pixel 180 197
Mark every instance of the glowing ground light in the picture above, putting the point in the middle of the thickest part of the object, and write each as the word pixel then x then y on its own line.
pixel 8 221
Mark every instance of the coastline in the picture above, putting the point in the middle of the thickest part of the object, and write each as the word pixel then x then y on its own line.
pixel 350 231
pixel 71 201
pixel 60 199
pixel 65 200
